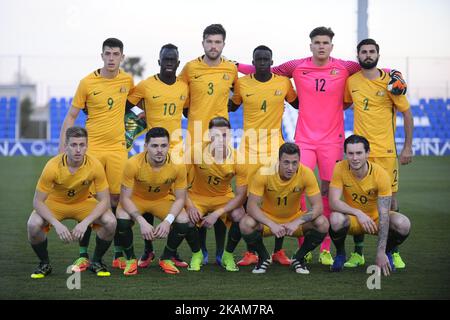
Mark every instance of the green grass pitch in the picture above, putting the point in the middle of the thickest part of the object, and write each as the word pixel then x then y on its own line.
pixel 424 197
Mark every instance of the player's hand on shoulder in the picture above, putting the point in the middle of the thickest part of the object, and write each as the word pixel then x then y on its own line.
pixel 232 61
pixel 397 85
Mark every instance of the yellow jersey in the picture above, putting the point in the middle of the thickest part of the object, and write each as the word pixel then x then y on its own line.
pixel 163 104
pixel 209 90
pixel 104 100
pixel 375 111
pixel 362 194
pixel 210 178
pixel 263 106
pixel 65 187
pixel 150 183
pixel 281 198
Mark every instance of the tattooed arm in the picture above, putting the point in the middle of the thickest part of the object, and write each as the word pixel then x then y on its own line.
pixel 384 205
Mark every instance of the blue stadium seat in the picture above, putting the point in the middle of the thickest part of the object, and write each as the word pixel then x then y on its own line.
pixel 62 102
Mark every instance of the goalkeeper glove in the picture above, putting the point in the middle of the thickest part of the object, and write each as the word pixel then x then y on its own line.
pixel 397 85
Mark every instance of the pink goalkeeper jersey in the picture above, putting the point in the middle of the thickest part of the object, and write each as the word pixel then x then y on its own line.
pixel 321 96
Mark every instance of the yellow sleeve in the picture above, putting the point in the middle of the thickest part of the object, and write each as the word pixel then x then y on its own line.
pixel 45 183
pixel 336 180
pixel 101 184
pixel 384 183
pixel 79 100
pixel 311 185
pixel 347 95
pixel 400 102
pixel 129 173
pixel 190 174
pixel 241 175
pixel 188 100
pixel 181 181
pixel 291 95
pixel 235 74
pixel 258 184
pixel 137 93
pixel 185 73
pixel 237 98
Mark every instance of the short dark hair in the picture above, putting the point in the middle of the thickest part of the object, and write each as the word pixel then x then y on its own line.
pixel 353 139
pixel 113 43
pixel 157 132
pixel 214 29
pixel 262 47
pixel 288 148
pixel 366 42
pixel 76 132
pixel 168 46
pixel 219 122
pixel 321 31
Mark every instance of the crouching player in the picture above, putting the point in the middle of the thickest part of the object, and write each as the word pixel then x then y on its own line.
pixel 153 183
pixel 62 193
pixel 366 187
pixel 211 197
pixel 274 209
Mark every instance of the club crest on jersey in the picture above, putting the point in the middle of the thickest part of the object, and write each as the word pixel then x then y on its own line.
pixel 334 72
pixel 297 189
pixel 372 192
pixel 278 92
pixel 85 182
pixel 226 76
pixel 123 89
pixel 380 93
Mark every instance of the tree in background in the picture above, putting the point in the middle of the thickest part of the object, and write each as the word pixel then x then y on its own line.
pixel 134 66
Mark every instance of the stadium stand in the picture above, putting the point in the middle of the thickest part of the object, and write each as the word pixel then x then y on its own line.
pixel 8 117
pixel 431 119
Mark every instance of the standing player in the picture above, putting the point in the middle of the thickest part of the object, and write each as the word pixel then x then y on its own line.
pixel 62 193
pixel 103 95
pixel 163 96
pixel 210 79
pixel 366 188
pixel 211 197
pixel 320 83
pixel 263 95
pixel 153 183
pixel 374 108
pixel 274 208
